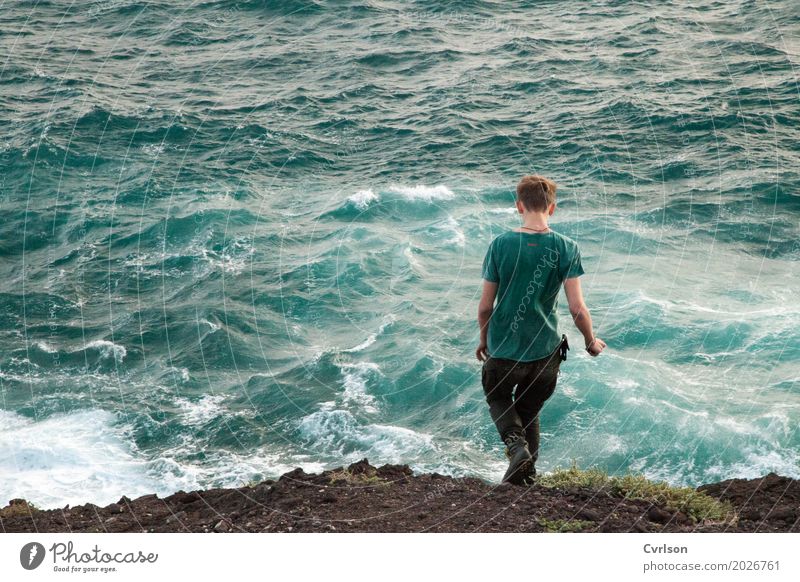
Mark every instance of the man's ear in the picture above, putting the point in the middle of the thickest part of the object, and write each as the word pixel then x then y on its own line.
pixel 552 209
pixel 520 207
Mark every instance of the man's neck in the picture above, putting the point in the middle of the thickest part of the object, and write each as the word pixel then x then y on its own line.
pixel 534 221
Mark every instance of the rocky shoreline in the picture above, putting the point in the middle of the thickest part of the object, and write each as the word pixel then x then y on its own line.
pixel 363 498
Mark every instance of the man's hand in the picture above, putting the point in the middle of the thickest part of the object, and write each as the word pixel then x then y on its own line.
pixel 482 353
pixel 595 347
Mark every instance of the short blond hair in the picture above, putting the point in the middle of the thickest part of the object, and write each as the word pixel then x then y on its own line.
pixel 536 193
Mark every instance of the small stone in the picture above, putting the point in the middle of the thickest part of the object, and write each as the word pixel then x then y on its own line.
pixel 658 515
pixel 783 513
pixel 752 514
pixel 176 517
pixel 114 508
pixel 222 526
pixel 588 515
pixel 681 518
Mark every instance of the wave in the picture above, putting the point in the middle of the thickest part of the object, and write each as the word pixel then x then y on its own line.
pixel 338 434
pixel 96 463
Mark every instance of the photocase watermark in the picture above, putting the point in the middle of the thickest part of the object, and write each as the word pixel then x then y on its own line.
pixel 549 259
pixel 31 555
pixel 67 559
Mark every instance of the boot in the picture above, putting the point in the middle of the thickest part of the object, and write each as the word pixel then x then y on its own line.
pixel 520 463
pixel 531 476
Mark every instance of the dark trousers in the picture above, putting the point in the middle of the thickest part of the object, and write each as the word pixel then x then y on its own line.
pixel 518 410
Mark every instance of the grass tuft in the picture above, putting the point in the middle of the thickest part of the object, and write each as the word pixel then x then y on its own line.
pixel 698 506
pixel 564 525
pixel 18 508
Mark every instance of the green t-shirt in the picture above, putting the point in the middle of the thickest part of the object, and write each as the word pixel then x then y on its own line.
pixel 529 269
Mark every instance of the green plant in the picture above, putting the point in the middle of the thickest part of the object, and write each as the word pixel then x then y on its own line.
pixel 696 505
pixel 18 507
pixel 564 525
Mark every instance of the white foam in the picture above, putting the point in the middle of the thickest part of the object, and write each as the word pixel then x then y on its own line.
pixel 231 259
pixel 362 199
pixel 108 349
pixel 45 347
pixel 421 192
pixel 68 458
pixel 87 457
pixel 372 338
pixel 214 327
pixel 355 378
pixel 338 433
pixel 198 412
pixel 458 238
pixel 223 468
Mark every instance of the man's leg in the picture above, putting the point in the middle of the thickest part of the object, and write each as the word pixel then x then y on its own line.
pixel 534 389
pixel 499 378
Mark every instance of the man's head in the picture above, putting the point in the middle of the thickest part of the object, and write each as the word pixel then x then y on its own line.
pixel 536 194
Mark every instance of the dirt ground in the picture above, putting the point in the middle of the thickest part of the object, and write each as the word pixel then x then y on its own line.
pixel 362 498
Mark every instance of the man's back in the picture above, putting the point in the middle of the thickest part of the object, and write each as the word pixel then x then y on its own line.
pixel 529 269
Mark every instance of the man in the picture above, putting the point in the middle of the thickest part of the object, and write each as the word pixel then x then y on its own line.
pixel 524 270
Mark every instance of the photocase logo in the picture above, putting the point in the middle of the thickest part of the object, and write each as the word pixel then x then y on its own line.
pixel 31 555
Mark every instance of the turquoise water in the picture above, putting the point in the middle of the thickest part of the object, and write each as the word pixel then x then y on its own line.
pixel 241 237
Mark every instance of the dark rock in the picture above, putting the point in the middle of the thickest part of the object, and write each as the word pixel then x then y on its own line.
pixel 176 517
pixel 751 514
pixel 362 467
pixel 405 502
pixel 114 508
pixel 587 514
pixel 658 515
pixel 681 518
pixel 296 475
pixel 148 497
pixel 782 513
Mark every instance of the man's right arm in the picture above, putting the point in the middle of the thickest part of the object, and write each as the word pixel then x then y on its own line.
pixel 581 316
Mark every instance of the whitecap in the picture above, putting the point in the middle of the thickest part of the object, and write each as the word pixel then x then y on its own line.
pixel 372 338
pixel 338 433
pixel 199 412
pixel 68 458
pixel 355 378
pixel 362 199
pixel 108 349
pixel 422 192
pixel 451 225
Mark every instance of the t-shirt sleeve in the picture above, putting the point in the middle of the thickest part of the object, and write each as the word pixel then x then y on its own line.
pixel 490 265
pixel 571 264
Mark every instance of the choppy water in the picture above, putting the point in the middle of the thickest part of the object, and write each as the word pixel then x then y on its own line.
pixel 240 237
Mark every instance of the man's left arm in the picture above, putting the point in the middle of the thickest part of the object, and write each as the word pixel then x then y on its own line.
pixel 485 310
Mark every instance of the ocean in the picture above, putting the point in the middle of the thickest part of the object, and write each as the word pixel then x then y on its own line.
pixel 243 237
